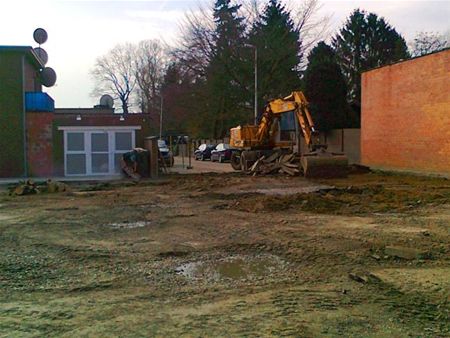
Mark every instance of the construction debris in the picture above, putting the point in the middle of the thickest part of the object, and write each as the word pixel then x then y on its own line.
pixel 24 188
pixel 30 187
pixel 55 186
pixel 276 163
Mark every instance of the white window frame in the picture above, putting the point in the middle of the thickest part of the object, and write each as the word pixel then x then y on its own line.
pixel 87 132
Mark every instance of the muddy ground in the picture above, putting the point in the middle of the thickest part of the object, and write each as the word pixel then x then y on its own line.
pixel 229 255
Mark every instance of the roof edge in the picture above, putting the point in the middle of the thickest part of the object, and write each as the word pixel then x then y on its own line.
pixel 406 60
pixel 28 50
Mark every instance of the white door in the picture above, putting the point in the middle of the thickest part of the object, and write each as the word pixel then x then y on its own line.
pixel 96 152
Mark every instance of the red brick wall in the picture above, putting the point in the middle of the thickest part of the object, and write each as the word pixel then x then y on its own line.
pixel 32 83
pixel 405 118
pixel 39 144
pixel 65 119
pixel 45 148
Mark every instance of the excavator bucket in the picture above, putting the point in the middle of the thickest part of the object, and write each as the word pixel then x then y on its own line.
pixel 322 164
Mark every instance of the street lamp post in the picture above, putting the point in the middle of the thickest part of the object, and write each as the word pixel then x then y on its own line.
pixel 256 84
pixel 160 118
pixel 256 80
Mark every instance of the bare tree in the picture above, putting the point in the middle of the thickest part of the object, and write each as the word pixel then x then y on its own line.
pixel 114 74
pixel 150 64
pixel 428 42
pixel 196 45
pixel 312 26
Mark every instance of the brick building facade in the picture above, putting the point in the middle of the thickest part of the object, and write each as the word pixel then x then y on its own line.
pixel 47 132
pixel 19 69
pixel 37 140
pixel 405 118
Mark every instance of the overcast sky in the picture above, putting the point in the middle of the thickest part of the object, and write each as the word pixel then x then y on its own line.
pixel 79 31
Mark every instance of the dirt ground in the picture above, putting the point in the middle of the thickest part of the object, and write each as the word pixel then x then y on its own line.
pixel 229 255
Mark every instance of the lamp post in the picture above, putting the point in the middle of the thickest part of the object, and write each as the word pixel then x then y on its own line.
pixel 256 80
pixel 160 118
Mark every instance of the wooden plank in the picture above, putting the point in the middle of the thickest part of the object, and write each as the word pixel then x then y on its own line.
pixel 273 157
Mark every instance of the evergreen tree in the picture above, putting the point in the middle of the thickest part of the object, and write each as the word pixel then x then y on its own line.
pixel 325 89
pixel 222 76
pixel 365 42
pixel 279 52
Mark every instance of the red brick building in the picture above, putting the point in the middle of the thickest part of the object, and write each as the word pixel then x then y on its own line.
pixel 405 118
pixel 19 80
pixel 38 140
pixel 81 141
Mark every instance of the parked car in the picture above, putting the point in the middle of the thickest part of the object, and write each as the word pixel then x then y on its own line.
pixel 203 152
pixel 222 153
pixel 165 152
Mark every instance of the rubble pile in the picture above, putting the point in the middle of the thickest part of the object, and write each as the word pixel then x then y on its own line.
pixel 276 163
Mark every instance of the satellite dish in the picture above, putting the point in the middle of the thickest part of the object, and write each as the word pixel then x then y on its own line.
pixel 48 77
pixel 107 101
pixel 40 35
pixel 42 54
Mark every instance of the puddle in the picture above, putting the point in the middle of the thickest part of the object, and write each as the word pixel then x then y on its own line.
pixel 129 225
pixel 232 268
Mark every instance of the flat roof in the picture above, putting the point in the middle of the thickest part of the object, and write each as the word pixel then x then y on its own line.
pixel 90 110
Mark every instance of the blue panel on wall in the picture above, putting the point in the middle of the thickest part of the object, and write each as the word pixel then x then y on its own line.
pixel 37 101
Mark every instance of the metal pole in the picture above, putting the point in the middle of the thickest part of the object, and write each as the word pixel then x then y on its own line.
pixel 256 85
pixel 189 154
pixel 160 118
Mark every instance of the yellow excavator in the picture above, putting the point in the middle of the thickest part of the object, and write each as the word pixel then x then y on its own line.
pixel 251 142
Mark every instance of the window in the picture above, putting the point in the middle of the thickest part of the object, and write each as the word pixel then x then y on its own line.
pixel 96 152
pixel 288 121
pixel 123 142
pixel 287 126
pixel 75 154
pixel 76 164
pixel 75 141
